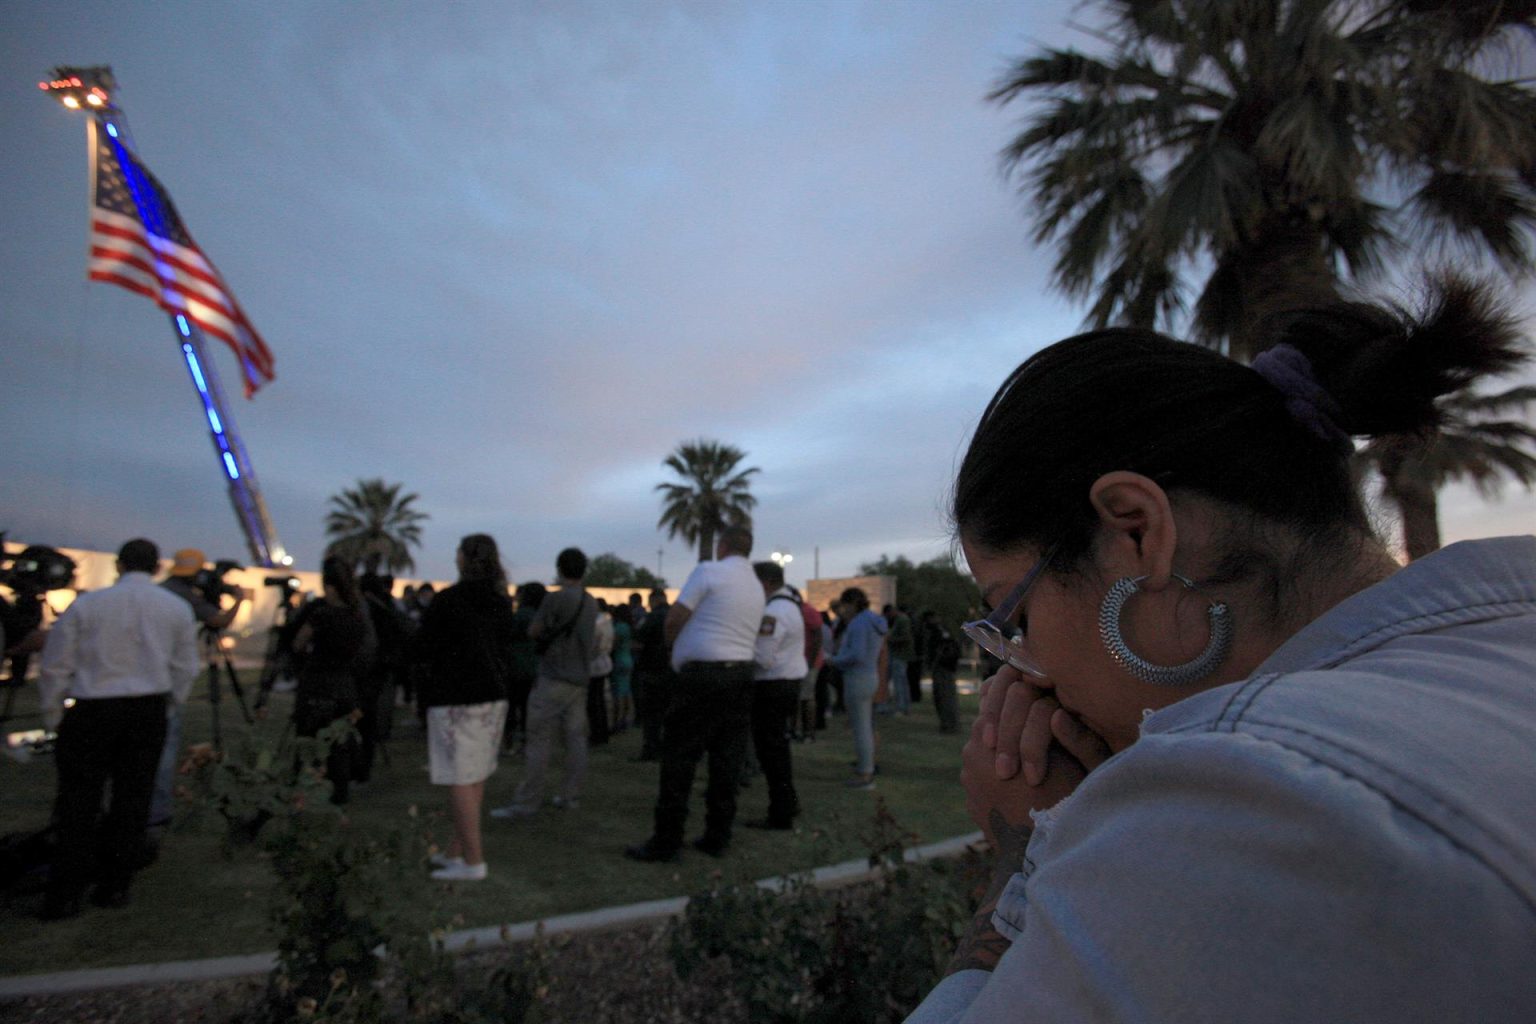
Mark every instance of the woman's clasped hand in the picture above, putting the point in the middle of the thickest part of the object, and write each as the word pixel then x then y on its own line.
pixel 1025 752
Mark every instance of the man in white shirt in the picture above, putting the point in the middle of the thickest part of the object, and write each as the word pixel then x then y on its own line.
pixel 713 631
pixel 776 693
pixel 121 654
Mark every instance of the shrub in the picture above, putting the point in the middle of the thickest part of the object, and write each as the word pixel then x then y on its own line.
pixel 267 773
pixel 865 953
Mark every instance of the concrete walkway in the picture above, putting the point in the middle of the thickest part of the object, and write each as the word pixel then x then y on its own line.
pixel 835 875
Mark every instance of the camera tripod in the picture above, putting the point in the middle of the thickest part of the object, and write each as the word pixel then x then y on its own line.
pixel 215 658
pixel 276 660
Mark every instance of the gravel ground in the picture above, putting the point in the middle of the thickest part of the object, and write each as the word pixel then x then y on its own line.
pixel 619 977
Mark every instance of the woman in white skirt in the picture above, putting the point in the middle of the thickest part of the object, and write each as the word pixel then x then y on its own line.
pixel 466 636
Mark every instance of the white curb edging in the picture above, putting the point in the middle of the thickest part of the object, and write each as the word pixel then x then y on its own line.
pixel 61 982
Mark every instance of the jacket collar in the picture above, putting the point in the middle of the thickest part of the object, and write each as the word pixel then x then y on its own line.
pixel 1465 582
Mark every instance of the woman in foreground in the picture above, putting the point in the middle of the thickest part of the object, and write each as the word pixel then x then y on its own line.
pixel 1310 788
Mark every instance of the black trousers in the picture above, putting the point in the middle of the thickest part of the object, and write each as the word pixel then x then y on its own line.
pixel 829 685
pixel 517 713
pixel 710 713
pixel 310 715
pixel 370 701
pixel 597 710
pixel 116 740
pixel 653 692
pixel 946 700
pixel 774 703
pixel 915 680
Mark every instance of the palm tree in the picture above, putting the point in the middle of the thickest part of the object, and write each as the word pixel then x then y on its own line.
pixel 1276 147
pixel 714 493
pixel 372 524
pixel 1262 155
pixel 1476 442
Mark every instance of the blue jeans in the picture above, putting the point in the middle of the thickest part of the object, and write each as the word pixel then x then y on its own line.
pixel 163 802
pixel 901 694
pixel 858 697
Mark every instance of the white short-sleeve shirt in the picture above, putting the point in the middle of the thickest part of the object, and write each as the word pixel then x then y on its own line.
pixel 781 638
pixel 726 602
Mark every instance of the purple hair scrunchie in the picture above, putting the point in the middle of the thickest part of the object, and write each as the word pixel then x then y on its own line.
pixel 1289 371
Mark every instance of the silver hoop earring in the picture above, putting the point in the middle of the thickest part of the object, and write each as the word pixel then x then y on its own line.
pixel 1194 670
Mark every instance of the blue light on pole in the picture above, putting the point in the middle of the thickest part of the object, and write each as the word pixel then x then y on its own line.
pixel 197 371
pixel 202 390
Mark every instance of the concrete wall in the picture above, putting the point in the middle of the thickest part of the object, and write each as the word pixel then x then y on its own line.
pixel 881 590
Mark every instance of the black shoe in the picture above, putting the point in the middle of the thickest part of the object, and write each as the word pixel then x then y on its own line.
pixel 651 852
pixel 711 846
pixel 770 825
pixel 643 758
pixel 111 898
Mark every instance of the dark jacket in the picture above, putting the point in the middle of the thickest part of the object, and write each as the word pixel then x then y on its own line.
pixel 337 654
pixel 465 639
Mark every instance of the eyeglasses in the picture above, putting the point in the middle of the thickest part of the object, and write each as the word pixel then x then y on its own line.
pixel 1004 642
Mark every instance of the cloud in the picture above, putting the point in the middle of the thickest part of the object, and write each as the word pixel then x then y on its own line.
pixel 511 254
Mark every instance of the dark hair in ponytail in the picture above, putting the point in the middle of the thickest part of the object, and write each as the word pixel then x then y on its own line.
pixel 1190 419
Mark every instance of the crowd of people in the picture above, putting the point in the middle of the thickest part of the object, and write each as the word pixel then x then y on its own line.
pixel 736 671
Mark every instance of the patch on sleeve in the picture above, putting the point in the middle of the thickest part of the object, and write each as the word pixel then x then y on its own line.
pixel 769 625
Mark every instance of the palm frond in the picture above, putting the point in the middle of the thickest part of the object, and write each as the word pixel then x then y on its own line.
pixel 1489 209
pixel 373 522
pixel 1208 122
pixel 714 492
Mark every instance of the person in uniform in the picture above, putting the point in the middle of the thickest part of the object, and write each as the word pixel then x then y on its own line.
pixel 776 693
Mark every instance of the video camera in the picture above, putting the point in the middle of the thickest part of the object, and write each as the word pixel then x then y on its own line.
pixel 210 582
pixel 37 570
pixel 288 592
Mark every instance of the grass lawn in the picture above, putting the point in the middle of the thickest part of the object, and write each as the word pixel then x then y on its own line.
pixel 199 900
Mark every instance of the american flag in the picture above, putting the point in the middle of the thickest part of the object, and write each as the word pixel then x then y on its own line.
pixel 139 242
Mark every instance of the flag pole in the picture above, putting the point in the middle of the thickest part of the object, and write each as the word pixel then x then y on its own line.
pixel 244 491
pixel 89 89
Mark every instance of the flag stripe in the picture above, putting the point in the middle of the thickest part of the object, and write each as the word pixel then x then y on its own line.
pixel 160 261
pixel 190 265
pixel 148 291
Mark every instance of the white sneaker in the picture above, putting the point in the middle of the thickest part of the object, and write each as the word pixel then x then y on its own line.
pixel 511 812
pixel 443 861
pixel 563 804
pixel 461 872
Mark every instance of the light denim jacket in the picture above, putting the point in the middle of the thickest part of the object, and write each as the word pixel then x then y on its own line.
pixel 858 653
pixel 1348 835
